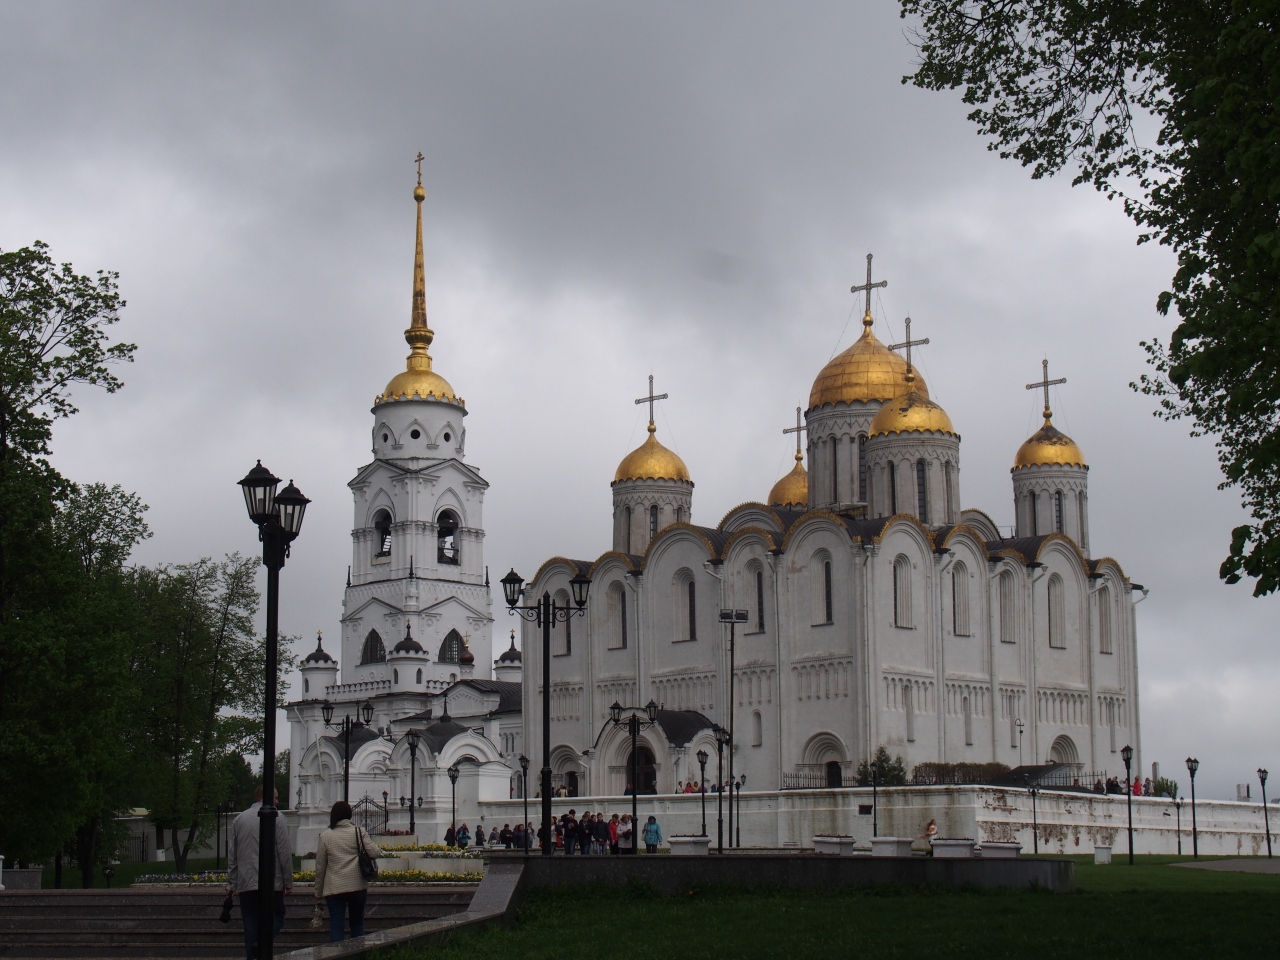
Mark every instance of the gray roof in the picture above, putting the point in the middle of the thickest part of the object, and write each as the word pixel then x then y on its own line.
pixel 681 726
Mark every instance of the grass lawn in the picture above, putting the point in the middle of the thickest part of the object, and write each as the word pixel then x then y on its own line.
pixel 1148 910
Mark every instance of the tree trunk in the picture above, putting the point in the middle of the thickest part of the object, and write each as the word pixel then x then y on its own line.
pixel 87 850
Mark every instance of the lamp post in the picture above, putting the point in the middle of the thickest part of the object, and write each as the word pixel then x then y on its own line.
pixel 722 737
pixel 278 517
pixel 453 810
pixel 742 782
pixel 1035 825
pixel 732 618
pixel 1177 806
pixel 386 810
pixel 412 737
pixel 875 809
pixel 348 724
pixel 1019 724
pixel 1266 817
pixel 634 723
pixel 1193 764
pixel 1126 754
pixel 524 792
pixel 702 786
pixel 545 613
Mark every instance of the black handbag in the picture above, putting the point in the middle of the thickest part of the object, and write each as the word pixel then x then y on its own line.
pixel 225 916
pixel 368 866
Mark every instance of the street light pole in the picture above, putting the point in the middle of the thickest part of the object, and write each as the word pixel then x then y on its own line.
pixel 1266 817
pixel 738 789
pixel 732 618
pixel 545 613
pixel 524 793
pixel 278 517
pixel 702 787
pixel 1193 764
pixel 875 808
pixel 1177 805
pixel 722 737
pixel 348 724
pixel 453 806
pixel 1035 826
pixel 1126 754
pixel 634 725
pixel 412 737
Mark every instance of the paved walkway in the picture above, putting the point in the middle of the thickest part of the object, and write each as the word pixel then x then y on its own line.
pixel 1235 865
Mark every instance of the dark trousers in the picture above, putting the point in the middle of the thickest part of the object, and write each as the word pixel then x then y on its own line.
pixel 344 903
pixel 570 841
pixel 249 917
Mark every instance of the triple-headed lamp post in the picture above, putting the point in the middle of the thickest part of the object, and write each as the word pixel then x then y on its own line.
pixel 1266 817
pixel 1126 754
pixel 278 517
pixel 545 613
pixel 347 725
pixel 634 725
pixel 1193 765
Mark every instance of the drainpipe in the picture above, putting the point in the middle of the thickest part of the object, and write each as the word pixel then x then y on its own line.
pixel 711 566
pixel 1038 571
pixel 776 562
pixel 869 550
pixel 940 571
pixel 1133 647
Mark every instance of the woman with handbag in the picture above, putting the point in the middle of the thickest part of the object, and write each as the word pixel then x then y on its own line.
pixel 346 860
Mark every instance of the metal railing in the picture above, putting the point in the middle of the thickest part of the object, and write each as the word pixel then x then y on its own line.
pixel 370 814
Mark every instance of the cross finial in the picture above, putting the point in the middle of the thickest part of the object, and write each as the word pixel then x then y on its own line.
pixel 1045 383
pixel 419 160
pixel 798 429
pixel 868 287
pixel 908 344
pixel 650 400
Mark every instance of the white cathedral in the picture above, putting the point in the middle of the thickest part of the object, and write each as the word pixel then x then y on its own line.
pixel 879 612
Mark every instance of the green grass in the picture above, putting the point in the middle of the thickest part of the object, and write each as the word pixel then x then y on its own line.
pixel 1148 910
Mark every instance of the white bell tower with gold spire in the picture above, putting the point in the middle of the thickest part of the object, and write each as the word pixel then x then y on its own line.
pixel 417 564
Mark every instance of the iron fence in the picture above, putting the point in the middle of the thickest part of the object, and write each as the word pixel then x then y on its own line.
pixel 371 815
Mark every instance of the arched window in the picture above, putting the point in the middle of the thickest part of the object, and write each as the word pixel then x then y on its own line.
pixel 684 621
pixel 382 526
pixel 653 521
pixel 419 677
pixel 373 650
pixel 617 613
pixel 679 514
pixel 1004 591
pixel 1057 613
pixel 902 592
pixel 968 723
pixel 922 491
pixel 760 600
pixel 826 591
pixel 834 778
pixel 950 510
pixel 447 538
pixel 862 467
pixel 1057 511
pixel 627 517
pixel 1031 508
pixel 395 676
pixel 835 469
pixel 562 633
pixel 450 648
pixel 693 609
pixel 1104 620
pixel 757 729
pixel 960 600
pixel 306 685
pixel 893 488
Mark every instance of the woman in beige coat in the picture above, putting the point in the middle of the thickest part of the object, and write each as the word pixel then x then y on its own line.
pixel 338 877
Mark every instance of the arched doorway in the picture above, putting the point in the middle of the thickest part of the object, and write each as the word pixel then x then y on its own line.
pixel 646 770
pixel 1064 750
pixel 571 783
pixel 834 778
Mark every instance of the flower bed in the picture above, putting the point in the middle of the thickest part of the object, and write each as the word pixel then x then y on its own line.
pixel 308 876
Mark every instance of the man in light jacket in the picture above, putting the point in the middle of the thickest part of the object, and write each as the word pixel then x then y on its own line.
pixel 242 870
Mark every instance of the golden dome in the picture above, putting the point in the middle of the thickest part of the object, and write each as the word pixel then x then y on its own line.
pixel 418 379
pixel 868 370
pixel 793 489
pixel 652 461
pixel 910 413
pixel 1049 447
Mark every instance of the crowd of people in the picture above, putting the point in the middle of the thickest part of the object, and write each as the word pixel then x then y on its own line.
pixel 592 833
pixel 1139 787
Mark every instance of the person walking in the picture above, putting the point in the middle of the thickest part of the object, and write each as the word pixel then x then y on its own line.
pixel 242 870
pixel 652 835
pixel 339 882
pixel 463 836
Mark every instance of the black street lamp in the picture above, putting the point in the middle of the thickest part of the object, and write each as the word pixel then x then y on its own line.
pixel 1035 825
pixel 348 724
pixel 1266 817
pixel 1177 806
pixel 524 792
pixel 722 737
pixel 702 786
pixel 732 618
pixel 1193 765
pixel 737 788
pixel 545 613
pixel 453 812
pixel 412 737
pixel 875 808
pixel 278 517
pixel 635 723
pixel 1126 754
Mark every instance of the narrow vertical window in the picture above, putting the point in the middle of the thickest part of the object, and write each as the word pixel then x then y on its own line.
pixel 922 491
pixel 826 590
pixel 693 611
pixel 627 516
pixel 1005 593
pixel 679 514
pixel 760 600
pixel 835 469
pixel 1031 507
pixel 757 729
pixel 568 633
pixel 968 723
pixel 622 621
pixel 960 600
pixel 653 521
pixel 950 510
pixel 893 489
pixel 862 467
pixel 908 701
pixel 1057 511
pixel 902 592
pixel 1057 613
pixel 1104 620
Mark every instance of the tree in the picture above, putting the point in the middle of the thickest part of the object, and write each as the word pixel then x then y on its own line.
pixel 890 771
pixel 1058 83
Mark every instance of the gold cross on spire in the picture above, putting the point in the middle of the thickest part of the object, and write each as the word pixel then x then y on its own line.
pixel 1045 383
pixel 420 158
pixel 798 429
pixel 649 400
pixel 908 344
pixel 868 287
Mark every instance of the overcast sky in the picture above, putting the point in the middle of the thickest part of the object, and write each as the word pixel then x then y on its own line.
pixel 612 190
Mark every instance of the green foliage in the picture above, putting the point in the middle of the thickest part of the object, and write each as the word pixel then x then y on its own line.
pixel 1056 83
pixel 1164 787
pixel 890 771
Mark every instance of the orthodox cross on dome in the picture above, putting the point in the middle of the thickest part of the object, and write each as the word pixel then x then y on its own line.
pixel 798 429
pixel 868 287
pixel 650 401
pixel 419 160
pixel 908 344
pixel 1045 383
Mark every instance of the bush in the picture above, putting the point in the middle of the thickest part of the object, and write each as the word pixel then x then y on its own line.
pixel 890 771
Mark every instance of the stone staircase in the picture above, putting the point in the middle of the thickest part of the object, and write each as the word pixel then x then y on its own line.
pixel 183 921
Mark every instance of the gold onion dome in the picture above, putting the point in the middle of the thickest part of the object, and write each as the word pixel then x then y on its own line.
pixel 793 489
pixel 652 461
pixel 1049 447
pixel 912 412
pixel 868 370
pixel 418 379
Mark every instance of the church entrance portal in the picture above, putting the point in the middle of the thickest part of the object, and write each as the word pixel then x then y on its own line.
pixel 646 771
pixel 833 773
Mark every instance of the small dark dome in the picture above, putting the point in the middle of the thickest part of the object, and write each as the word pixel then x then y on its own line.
pixel 318 655
pixel 511 654
pixel 408 644
pixel 467 656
